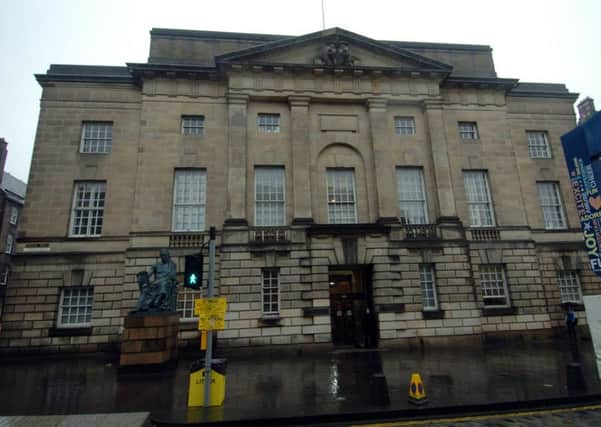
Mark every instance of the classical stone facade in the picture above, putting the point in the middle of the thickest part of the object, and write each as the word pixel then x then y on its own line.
pixel 365 193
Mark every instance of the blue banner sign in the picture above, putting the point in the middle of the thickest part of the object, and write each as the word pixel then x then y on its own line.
pixel 582 150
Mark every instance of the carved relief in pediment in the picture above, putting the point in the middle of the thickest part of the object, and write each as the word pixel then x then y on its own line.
pixel 336 53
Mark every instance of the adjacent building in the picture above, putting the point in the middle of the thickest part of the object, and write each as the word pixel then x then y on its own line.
pixel 12 197
pixel 365 193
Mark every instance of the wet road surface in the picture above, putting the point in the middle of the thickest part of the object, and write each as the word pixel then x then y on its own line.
pixel 268 384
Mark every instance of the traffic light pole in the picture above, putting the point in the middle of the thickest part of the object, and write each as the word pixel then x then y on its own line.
pixel 210 290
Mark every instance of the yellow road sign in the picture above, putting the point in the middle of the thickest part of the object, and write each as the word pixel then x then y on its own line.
pixel 211 323
pixel 210 306
pixel 211 313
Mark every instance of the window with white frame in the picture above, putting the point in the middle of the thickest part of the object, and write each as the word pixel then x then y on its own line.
pixel 193 125
pixel 478 199
pixel 494 286
pixel 185 304
pixel 269 123
pixel 87 214
pixel 189 200
pixel 4 275
pixel 412 196
pixel 14 215
pixel 538 145
pixel 341 196
pixel 8 246
pixel 75 307
pixel 270 196
pixel 550 201
pixel 428 284
pixel 468 130
pixel 271 291
pixel 96 137
pixel 569 287
pixel 404 125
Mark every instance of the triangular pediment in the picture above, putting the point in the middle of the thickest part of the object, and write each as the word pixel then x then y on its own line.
pixel 335 48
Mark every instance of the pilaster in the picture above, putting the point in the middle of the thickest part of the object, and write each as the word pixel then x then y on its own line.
pixel 301 159
pixel 237 112
pixel 440 159
pixel 386 194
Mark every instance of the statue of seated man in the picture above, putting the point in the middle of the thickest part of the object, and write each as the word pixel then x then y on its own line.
pixel 158 290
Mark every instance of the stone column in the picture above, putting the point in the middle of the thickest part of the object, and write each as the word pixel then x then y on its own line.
pixel 301 159
pixel 383 167
pixel 440 159
pixel 449 225
pixel 237 112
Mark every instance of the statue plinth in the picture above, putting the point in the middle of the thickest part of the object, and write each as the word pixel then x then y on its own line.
pixel 149 338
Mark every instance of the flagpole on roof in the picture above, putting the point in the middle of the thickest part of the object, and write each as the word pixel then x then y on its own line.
pixel 323 16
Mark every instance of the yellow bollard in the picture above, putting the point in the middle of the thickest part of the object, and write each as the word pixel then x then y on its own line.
pixel 417 391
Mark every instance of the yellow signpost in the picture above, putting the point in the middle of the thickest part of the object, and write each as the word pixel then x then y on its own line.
pixel 211 313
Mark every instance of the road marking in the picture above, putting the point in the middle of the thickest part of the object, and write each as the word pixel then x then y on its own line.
pixel 480 417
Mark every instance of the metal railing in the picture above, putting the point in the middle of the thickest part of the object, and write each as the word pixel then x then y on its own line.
pixel 186 240
pixel 483 234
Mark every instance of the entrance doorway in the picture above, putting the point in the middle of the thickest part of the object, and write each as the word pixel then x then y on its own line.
pixel 351 306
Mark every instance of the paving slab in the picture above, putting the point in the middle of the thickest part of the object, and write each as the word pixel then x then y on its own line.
pixel 127 419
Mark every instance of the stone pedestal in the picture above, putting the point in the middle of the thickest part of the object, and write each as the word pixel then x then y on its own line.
pixel 149 338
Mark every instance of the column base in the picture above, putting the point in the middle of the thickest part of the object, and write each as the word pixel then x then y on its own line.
pixel 303 221
pixel 235 222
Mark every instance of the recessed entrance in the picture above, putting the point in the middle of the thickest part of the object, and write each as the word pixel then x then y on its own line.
pixel 351 306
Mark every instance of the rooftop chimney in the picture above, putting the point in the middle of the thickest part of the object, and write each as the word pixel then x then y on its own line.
pixel 586 108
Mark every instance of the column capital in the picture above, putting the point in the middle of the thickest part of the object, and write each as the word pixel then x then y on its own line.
pixel 299 101
pixel 377 104
pixel 237 98
pixel 432 104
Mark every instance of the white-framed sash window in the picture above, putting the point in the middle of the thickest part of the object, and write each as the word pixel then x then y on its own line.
pixel 189 200
pixel 550 201
pixel 342 208
pixel 270 196
pixel 87 213
pixel 412 195
pixel 478 199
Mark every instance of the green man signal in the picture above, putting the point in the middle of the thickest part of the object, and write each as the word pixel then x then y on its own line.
pixel 193 273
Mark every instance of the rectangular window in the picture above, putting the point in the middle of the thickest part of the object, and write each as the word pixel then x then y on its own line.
pixel 478 199
pixel 404 125
pixel 268 122
pixel 538 145
pixel 4 275
pixel 189 199
pixel 193 125
pixel 271 291
pixel 8 247
pixel 96 137
pixel 75 308
pixel 494 286
pixel 428 285
pixel 185 304
pixel 341 196
pixel 550 201
pixel 270 197
pixel 468 130
pixel 569 287
pixel 14 215
pixel 87 214
pixel 412 196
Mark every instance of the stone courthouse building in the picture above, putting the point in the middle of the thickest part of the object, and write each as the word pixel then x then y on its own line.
pixel 365 192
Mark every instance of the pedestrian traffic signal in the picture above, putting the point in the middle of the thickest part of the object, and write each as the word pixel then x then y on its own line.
pixel 193 273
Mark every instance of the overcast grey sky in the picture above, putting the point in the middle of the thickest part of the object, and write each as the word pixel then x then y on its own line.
pixel 537 41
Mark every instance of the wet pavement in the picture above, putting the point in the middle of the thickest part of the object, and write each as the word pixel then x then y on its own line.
pixel 263 384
